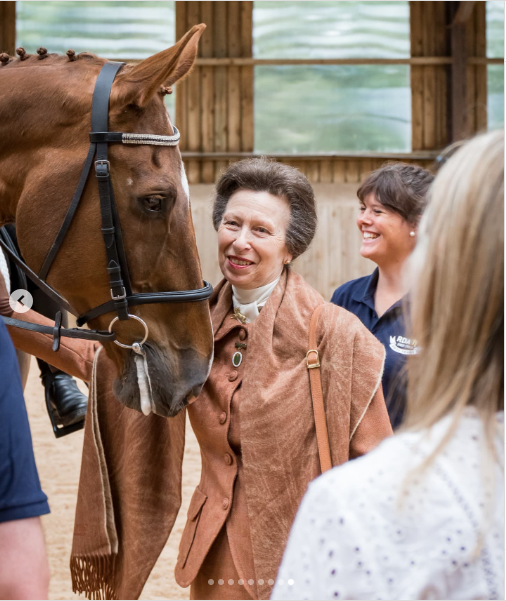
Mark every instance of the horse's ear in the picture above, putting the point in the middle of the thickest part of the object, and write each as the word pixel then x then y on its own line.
pixel 140 84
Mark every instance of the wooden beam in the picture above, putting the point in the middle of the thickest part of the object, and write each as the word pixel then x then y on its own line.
pixel 259 62
pixel 228 156
pixel 8 27
pixel 483 60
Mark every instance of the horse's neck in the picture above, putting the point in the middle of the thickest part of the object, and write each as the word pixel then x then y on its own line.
pixel 38 114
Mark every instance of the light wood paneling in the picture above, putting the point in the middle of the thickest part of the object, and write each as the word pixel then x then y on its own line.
pixel 332 259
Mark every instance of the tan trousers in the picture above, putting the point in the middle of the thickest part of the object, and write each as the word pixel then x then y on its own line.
pixel 219 569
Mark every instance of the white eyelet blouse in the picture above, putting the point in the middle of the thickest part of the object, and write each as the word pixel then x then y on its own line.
pixel 356 536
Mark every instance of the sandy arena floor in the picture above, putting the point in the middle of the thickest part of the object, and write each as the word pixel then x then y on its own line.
pixel 59 462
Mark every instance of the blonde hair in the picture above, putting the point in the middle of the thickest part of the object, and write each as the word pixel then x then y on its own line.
pixel 457 299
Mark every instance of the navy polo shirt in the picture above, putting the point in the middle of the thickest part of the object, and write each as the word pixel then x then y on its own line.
pixel 357 297
pixel 20 492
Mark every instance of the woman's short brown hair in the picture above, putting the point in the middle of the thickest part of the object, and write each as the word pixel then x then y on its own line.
pixel 265 175
pixel 400 187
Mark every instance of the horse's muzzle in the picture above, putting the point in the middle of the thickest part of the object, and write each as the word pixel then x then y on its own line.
pixel 175 379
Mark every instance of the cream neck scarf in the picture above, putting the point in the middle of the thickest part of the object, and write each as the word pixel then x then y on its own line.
pixel 249 302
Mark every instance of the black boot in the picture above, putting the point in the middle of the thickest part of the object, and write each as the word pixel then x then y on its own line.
pixel 67 401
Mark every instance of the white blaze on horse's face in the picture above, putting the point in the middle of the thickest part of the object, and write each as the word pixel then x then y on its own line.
pixel 184 179
pixel 184 182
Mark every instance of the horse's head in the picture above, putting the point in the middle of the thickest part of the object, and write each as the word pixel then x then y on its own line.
pixel 49 139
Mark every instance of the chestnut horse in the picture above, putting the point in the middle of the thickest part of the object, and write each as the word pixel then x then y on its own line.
pixel 45 111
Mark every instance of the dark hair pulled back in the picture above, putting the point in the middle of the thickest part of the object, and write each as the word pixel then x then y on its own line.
pixel 400 187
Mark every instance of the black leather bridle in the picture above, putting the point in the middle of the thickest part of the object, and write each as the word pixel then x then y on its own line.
pixel 122 296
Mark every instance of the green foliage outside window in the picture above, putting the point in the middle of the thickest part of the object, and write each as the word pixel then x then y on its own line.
pixel 110 29
pixel 495 73
pixel 314 109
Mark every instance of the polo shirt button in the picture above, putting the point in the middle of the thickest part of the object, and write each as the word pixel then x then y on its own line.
pixel 223 418
pixel 242 334
pixel 225 503
pixel 228 459
pixel 232 376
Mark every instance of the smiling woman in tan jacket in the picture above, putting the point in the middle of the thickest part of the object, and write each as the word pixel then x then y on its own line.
pixel 253 420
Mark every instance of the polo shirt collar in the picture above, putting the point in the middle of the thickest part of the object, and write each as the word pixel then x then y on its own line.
pixel 365 294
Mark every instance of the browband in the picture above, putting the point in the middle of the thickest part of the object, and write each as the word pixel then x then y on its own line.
pixel 97 137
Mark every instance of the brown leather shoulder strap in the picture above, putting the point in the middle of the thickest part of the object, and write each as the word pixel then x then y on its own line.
pixel 315 384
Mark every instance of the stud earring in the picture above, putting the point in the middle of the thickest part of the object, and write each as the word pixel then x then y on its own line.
pixel 287 262
pixel 412 234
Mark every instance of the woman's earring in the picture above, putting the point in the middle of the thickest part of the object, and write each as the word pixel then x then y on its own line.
pixel 412 234
pixel 287 262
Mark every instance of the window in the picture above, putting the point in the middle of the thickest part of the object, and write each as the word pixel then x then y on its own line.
pixel 117 30
pixel 495 73
pixel 315 108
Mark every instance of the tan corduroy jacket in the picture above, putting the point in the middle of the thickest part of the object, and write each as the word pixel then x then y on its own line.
pixel 279 454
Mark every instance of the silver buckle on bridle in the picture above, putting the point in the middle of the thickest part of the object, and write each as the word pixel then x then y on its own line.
pixel 121 296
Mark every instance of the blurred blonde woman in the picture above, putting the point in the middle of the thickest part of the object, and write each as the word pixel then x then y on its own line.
pixel 422 516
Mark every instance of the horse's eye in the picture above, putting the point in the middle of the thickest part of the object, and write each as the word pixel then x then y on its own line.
pixel 153 203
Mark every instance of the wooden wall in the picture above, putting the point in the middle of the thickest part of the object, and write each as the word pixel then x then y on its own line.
pixel 332 259
pixel 214 106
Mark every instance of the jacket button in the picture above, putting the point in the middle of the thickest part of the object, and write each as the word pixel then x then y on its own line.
pixel 242 334
pixel 225 503
pixel 232 376
pixel 228 459
pixel 223 418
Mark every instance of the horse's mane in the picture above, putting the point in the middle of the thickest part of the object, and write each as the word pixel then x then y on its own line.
pixel 43 57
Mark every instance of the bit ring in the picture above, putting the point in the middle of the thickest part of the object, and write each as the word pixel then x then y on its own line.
pixel 130 346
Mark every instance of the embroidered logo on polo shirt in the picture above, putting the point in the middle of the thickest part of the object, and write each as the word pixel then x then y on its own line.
pixel 404 346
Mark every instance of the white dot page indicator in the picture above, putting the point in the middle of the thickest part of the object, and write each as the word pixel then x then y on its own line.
pixel 20 300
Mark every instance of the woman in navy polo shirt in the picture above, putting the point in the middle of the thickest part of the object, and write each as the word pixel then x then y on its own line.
pixel 392 200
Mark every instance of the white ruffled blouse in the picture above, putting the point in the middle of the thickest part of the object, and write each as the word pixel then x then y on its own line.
pixel 354 539
pixel 250 302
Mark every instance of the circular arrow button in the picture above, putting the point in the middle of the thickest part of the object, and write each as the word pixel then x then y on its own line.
pixel 20 300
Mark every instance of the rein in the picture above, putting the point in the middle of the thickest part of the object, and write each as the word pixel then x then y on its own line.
pixel 122 296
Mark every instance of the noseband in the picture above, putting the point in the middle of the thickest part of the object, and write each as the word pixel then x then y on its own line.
pixel 122 296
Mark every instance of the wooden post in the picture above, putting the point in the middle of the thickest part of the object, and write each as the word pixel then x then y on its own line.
pixel 468 81
pixel 8 27
pixel 460 126
pixel 207 99
pixel 193 105
pixel 428 82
